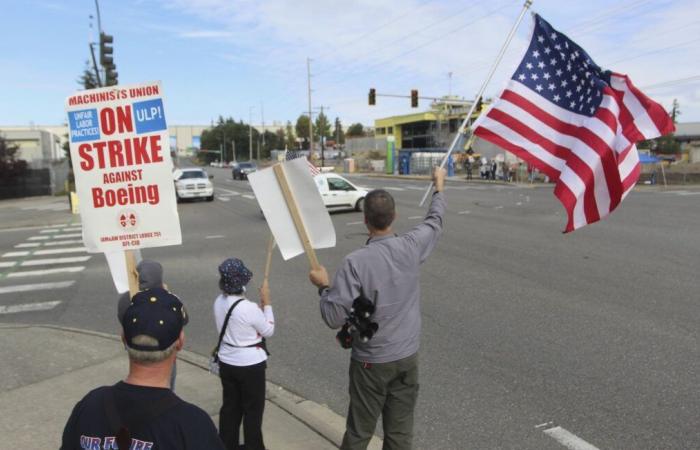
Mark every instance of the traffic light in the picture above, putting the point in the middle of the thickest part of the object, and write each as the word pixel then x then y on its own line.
pixel 107 59
pixel 414 98
pixel 372 96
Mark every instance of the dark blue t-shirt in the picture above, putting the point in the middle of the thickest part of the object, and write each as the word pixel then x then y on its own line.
pixel 181 426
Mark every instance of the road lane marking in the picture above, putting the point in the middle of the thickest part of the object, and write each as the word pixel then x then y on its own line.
pixel 72 235
pixel 464 212
pixel 35 273
pixel 415 217
pixel 72 229
pixel 228 192
pixel 568 439
pixel 223 199
pixel 390 188
pixel 42 262
pixel 356 223
pixel 58 251
pixel 28 307
pixel 57 243
pixel 36 287
pixel 498 207
pixel 216 236
pixel 249 196
pixel 414 188
pixel 28 245
pixel 15 254
pixel 5 264
pixel 56 225
pixel 39 238
pixel 50 230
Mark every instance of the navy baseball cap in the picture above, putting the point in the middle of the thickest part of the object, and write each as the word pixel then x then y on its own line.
pixel 156 313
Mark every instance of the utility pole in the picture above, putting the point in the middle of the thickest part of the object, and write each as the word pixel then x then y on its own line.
pixel 311 125
pixel 262 116
pixel 250 133
pixel 321 134
pixel 233 144
pixel 449 90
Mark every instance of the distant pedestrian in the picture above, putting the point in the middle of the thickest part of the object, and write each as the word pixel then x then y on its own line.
pixel 468 165
pixel 150 275
pixel 141 412
pixel 242 355
pixel 494 166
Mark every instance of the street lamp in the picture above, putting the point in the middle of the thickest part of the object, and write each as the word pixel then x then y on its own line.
pixel 250 133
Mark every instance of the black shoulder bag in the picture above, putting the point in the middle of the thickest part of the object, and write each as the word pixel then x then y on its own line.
pixel 214 358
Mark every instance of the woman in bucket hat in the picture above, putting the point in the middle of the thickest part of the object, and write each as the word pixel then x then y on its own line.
pixel 242 355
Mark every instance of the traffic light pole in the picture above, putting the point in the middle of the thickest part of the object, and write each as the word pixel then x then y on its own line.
pixel 94 64
pixel 465 123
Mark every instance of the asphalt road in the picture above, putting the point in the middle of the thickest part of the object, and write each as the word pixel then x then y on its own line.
pixel 527 333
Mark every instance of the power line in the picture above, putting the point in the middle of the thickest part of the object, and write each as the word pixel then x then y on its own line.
pixel 670 83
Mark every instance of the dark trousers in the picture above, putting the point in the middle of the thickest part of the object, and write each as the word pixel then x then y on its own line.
pixel 387 388
pixel 244 401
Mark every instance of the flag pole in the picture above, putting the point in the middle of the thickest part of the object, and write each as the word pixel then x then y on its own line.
pixel 466 120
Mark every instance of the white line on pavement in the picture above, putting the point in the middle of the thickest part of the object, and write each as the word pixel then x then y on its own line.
pixel 15 254
pixel 4 264
pixel 59 251
pixel 415 217
pixel 228 191
pixel 28 244
pixel 72 235
pixel 216 236
pixel 56 243
pixel 56 225
pixel 355 223
pixel 50 230
pixel 252 197
pixel 414 188
pixel 464 212
pixel 34 273
pixel 568 439
pixel 36 287
pixel 42 262
pixel 223 199
pixel 39 238
pixel 72 229
pixel 390 188
pixel 498 207
pixel 27 307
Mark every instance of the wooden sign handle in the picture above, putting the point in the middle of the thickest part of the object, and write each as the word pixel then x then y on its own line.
pixel 268 261
pixel 131 273
pixel 296 217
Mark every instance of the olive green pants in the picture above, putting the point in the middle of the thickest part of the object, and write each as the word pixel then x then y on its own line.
pixel 389 389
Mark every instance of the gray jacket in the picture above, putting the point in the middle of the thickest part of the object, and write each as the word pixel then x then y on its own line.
pixel 388 267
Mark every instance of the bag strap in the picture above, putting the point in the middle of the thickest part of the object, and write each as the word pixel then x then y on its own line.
pixel 135 421
pixel 223 327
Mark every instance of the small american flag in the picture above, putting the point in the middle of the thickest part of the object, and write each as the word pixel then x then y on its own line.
pixel 293 154
pixel 575 122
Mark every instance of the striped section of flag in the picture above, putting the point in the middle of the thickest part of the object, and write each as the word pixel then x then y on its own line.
pixel 293 154
pixel 576 123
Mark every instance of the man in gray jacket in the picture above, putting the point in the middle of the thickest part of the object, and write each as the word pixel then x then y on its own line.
pixel 384 369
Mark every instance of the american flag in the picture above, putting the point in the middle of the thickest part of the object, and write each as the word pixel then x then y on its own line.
pixel 293 154
pixel 574 122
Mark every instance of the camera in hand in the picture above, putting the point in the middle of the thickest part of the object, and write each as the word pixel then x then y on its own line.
pixel 358 322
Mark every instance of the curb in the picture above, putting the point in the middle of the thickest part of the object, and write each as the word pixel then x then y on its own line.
pixel 319 418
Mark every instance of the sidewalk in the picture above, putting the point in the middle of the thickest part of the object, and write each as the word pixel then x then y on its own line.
pixel 46 370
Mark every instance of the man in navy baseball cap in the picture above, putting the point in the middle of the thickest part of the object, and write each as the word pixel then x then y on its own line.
pixel 141 411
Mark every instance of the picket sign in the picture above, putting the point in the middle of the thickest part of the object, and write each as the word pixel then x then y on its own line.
pixel 293 209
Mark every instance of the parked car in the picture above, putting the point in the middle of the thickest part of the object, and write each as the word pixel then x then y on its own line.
pixel 339 193
pixel 241 170
pixel 193 183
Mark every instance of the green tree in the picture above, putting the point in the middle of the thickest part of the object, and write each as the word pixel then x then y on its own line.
pixel 302 129
pixel 675 111
pixel 338 133
pixel 290 140
pixel 88 80
pixel 355 130
pixel 10 165
pixel 322 128
pixel 227 134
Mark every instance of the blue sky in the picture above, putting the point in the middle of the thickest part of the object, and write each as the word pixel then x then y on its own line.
pixel 222 57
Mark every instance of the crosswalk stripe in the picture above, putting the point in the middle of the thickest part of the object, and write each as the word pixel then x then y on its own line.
pixel 28 307
pixel 56 225
pixel 15 254
pixel 4 264
pixel 56 243
pixel 28 245
pixel 43 262
pixel 50 230
pixel 72 229
pixel 33 273
pixel 36 287
pixel 58 251
pixel 39 238
pixel 249 196
pixel 70 235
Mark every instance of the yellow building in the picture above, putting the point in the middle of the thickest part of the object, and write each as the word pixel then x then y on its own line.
pixel 430 129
